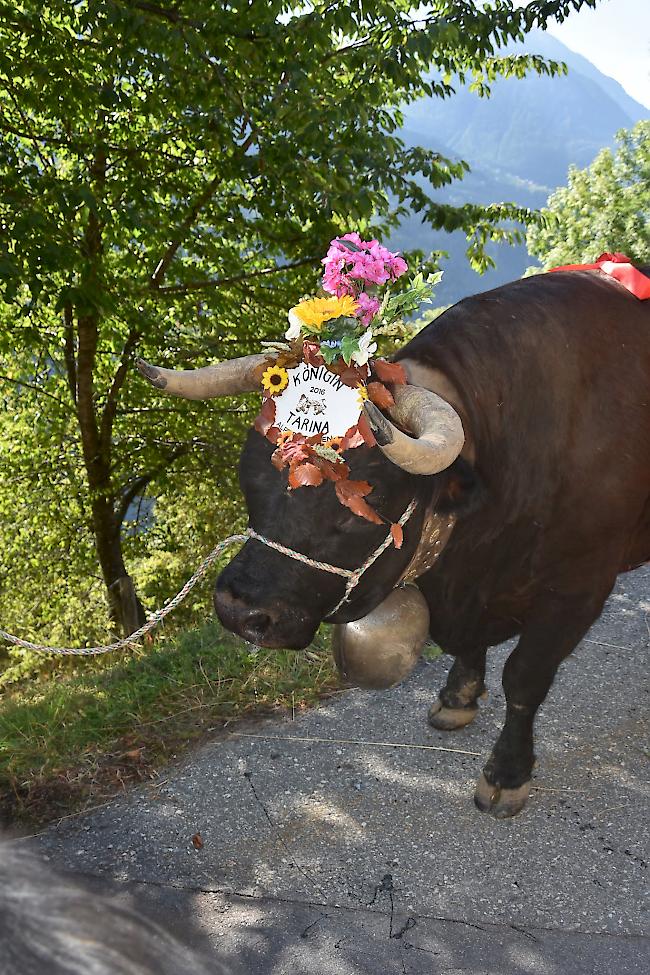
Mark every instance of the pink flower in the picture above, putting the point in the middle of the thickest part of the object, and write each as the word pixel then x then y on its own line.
pixel 370 269
pixel 335 281
pixel 368 306
pixel 372 263
pixel 398 266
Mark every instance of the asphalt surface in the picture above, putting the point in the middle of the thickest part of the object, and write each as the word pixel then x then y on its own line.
pixel 359 849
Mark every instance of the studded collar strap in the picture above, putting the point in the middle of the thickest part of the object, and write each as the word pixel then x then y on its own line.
pixel 435 534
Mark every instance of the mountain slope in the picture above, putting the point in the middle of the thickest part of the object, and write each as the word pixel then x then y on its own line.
pixel 550 47
pixel 520 144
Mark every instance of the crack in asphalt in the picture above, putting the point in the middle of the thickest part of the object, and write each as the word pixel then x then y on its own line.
pixel 276 898
pixel 305 931
pixel 305 873
pixel 527 934
pixel 386 887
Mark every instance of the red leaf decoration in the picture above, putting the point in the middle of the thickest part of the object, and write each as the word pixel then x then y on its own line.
pixel 351 375
pixel 380 395
pixel 350 488
pixel 352 438
pixel 273 433
pixel 398 534
pixel 333 471
pixel 278 460
pixel 294 452
pixel 311 353
pixel 265 417
pixel 365 431
pixel 303 475
pixel 389 372
pixel 351 493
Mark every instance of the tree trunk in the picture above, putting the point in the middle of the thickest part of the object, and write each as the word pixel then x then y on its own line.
pixel 126 610
pixel 95 425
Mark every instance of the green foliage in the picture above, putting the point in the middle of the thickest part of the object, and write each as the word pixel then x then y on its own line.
pixel 169 178
pixel 603 208
pixel 396 308
pixel 81 737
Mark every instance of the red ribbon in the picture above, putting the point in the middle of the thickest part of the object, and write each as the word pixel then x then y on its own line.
pixel 619 267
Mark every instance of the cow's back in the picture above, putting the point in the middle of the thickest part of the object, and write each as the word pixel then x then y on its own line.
pixel 553 377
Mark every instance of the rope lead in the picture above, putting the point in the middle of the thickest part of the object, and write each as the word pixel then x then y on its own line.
pixel 352 575
pixel 153 621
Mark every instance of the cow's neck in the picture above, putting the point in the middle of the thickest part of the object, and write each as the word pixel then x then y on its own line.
pixel 435 535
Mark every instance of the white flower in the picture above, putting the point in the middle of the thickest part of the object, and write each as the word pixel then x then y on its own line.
pixel 295 326
pixel 366 348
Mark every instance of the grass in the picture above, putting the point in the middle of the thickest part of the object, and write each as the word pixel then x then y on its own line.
pixel 69 742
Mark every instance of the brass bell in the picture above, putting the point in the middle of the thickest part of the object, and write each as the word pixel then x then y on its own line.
pixel 382 649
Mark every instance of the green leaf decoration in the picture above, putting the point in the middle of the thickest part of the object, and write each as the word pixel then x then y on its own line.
pixel 349 345
pixel 330 353
pixel 327 453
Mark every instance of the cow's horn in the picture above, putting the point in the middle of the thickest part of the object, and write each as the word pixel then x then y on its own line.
pixel 223 379
pixel 438 432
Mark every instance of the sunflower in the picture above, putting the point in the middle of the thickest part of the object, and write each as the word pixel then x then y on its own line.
pixel 275 379
pixel 362 394
pixel 335 444
pixel 284 437
pixel 313 312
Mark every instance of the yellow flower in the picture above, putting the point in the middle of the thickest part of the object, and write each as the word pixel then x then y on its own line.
pixel 284 437
pixel 362 394
pixel 275 379
pixel 314 311
pixel 334 443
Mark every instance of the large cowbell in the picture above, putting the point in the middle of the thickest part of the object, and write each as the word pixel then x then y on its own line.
pixel 382 649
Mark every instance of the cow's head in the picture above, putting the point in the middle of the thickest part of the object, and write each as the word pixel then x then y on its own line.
pixel 274 600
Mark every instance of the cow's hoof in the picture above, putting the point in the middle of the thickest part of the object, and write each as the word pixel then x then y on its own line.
pixel 449 719
pixel 501 803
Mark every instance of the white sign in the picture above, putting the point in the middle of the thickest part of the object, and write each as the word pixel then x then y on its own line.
pixel 316 401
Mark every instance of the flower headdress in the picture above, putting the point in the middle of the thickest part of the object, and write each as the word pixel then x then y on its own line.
pixel 334 335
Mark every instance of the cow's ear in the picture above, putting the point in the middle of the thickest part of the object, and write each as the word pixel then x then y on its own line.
pixel 462 490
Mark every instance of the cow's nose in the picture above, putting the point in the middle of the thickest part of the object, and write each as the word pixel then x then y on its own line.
pixel 267 619
pixel 254 626
pixel 249 622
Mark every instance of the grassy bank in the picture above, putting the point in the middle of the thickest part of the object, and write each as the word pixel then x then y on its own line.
pixel 69 742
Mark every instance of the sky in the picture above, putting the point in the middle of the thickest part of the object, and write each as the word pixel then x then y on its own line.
pixel 616 38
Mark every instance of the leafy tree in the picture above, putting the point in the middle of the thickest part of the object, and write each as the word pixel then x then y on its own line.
pixel 170 174
pixel 603 208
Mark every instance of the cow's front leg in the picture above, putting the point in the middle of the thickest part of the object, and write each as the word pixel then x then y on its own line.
pixel 559 626
pixel 457 704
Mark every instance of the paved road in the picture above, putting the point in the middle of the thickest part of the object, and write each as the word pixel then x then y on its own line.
pixel 345 842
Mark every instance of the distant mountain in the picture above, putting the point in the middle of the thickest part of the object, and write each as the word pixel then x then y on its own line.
pixel 550 47
pixel 520 143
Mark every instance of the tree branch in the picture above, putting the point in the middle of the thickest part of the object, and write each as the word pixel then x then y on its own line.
pixel 88 333
pixel 141 482
pixel 110 408
pixel 171 15
pixel 46 163
pixel 43 392
pixel 161 267
pixel 182 289
pixel 68 351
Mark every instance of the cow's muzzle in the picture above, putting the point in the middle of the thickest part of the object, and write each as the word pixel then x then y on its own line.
pixel 276 624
